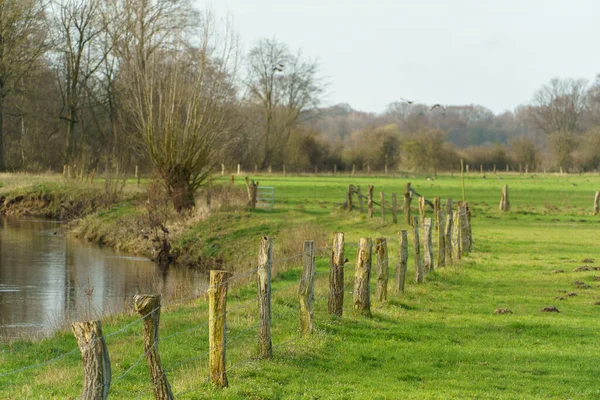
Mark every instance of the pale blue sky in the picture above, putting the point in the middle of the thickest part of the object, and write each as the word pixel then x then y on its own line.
pixel 490 52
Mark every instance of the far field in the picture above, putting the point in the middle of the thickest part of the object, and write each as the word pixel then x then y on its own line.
pixel 438 340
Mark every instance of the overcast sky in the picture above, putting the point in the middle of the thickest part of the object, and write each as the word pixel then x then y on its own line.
pixel 372 52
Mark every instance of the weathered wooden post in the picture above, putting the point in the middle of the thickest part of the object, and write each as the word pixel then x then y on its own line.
pixel 417 247
pixel 382 202
pixel 421 209
pixel 402 261
pixel 96 363
pixel 448 238
pixel 464 230
pixel 306 292
pixel 436 210
pixel 504 203
pixel 362 278
pixel 427 246
pixel 265 259
pixel 149 307
pixel 394 208
pixel 349 197
pixel 382 269
pixel 441 261
pixel 239 169
pixel 335 306
pixel 407 199
pixel 217 327
pixel 370 202
pixel 456 239
pixel 360 199
pixel 596 203
pixel 222 169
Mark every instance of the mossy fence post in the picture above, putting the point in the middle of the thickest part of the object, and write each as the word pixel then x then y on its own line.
pixel 381 253
pixel 456 239
pixel 596 203
pixel 504 203
pixel 96 362
pixel 370 202
pixel 335 305
pixel 149 307
pixel 417 247
pixel 402 261
pixel 306 289
pixel 265 260
pixel 407 199
pixel 448 238
pixel 427 246
pixel 362 277
pixel 441 260
pixel 394 208
pixel 217 327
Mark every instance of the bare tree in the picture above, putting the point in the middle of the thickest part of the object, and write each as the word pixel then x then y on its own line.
pixel 22 43
pixel 283 85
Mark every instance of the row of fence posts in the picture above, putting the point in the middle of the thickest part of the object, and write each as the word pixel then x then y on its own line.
pixel 90 340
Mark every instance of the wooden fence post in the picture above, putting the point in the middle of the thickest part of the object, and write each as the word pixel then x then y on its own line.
pixel 448 238
pixel 96 363
pixel 402 261
pixel 362 277
pixel 464 230
pixel 335 305
pixel 149 307
pixel 222 169
pixel 349 197
pixel 456 240
pixel 394 208
pixel 421 209
pixel 217 311
pixel 436 210
pixel 381 252
pixel 407 199
pixel 239 169
pixel 417 247
pixel 596 203
pixel 360 199
pixel 265 259
pixel 427 246
pixel 370 202
pixel 441 261
pixel 504 203
pixel 382 202
pixel 306 289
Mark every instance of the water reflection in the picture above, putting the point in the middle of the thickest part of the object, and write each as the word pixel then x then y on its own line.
pixel 47 279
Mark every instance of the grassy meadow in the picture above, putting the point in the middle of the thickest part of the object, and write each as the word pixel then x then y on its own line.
pixel 438 340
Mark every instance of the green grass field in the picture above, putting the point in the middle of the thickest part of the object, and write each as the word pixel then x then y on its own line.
pixel 438 340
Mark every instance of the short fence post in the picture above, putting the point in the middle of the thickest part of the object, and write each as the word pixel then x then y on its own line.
pixel 394 208
pixel 422 209
pixel 360 199
pixel 596 203
pixel 417 247
pixel 504 203
pixel 306 288
pixel 362 277
pixel 217 311
pixel 335 305
pixel 427 246
pixel 456 240
pixel 149 307
pixel 402 261
pixel 381 252
pixel 265 259
pixel 441 261
pixel 96 363
pixel 370 202
pixel 448 238
pixel 382 202
pixel 349 197
pixel 407 199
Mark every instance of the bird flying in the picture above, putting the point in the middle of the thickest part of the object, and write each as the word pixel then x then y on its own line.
pixel 436 106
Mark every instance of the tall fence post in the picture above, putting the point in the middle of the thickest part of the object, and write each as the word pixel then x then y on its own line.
pixel 370 202
pixel 217 311
pixel 464 230
pixel 421 209
pixel 441 261
pixel 417 247
pixel 349 197
pixel 436 210
pixel 504 203
pixel 407 199
pixel 402 261
pixel 427 246
pixel 149 307
pixel 448 238
pixel 381 253
pixel 456 240
pixel 382 202
pixel 265 259
pixel 394 208
pixel 96 363
pixel 362 277
pixel 306 288
pixel 596 203
pixel 335 305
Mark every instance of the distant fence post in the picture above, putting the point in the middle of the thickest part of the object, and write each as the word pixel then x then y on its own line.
pixel 96 363
pixel 596 203
pixel 335 305
pixel 448 238
pixel 370 202
pixel 504 203
pixel 283 170
pixel 382 202
pixel 427 246
pixel 402 261
pixel 217 311
pixel 239 169
pixel 334 169
pixel 353 169
pixel 349 197
pixel 394 208
pixel 417 247
pixel 149 307
pixel 265 259
pixel 441 261
pixel 407 199
pixel 360 199
pixel 362 277
pixel 306 291
pixel 465 242
pixel 222 169
pixel 456 240
pixel 381 252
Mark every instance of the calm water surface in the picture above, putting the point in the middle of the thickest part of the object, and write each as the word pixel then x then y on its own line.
pixel 47 279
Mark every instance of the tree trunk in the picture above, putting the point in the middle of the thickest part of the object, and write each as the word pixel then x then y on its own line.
pixel 96 363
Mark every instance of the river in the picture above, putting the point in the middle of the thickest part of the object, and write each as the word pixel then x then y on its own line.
pixel 48 280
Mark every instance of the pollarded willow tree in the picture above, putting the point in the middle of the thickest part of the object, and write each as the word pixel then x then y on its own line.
pixel 181 103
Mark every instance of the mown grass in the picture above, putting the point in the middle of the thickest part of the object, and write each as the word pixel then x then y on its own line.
pixel 438 340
